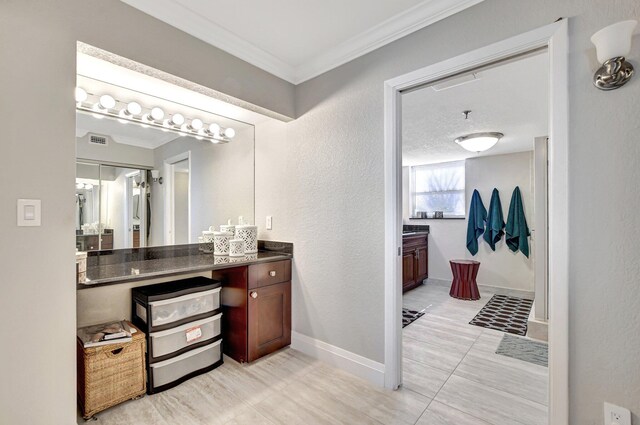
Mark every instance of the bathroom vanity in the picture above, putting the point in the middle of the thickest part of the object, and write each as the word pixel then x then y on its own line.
pixel 255 295
pixel 415 256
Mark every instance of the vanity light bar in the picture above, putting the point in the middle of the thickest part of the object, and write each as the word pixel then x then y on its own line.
pixel 106 106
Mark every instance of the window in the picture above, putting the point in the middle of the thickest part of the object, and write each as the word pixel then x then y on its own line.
pixel 438 187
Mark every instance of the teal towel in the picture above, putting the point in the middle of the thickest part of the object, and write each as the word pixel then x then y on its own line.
pixel 475 226
pixel 517 230
pixel 495 222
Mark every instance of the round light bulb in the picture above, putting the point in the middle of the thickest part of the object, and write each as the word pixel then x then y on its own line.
pixel 177 119
pixel 107 102
pixel 214 128
pixel 134 108
pixel 157 114
pixel 230 133
pixel 81 94
pixel 196 124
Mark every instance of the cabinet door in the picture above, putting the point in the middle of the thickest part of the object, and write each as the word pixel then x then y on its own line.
pixel 408 268
pixel 269 319
pixel 422 265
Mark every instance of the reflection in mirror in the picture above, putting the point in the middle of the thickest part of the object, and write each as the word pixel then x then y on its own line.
pixel 138 185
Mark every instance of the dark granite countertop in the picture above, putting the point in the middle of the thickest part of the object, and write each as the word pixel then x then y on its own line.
pixel 128 265
pixel 415 229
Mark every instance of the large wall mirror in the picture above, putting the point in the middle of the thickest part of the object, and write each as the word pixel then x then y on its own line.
pixel 152 171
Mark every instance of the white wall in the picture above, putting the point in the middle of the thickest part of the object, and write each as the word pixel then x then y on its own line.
pixel 336 194
pixel 447 238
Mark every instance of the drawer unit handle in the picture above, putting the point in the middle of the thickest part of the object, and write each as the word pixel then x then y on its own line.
pixel 272 273
pixel 254 295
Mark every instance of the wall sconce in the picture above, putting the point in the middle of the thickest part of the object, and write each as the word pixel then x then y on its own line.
pixel 155 176
pixel 613 44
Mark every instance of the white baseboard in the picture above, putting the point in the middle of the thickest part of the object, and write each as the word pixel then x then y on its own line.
pixel 499 290
pixel 355 364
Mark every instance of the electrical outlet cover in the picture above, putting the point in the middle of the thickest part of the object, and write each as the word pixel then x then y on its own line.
pixel 616 415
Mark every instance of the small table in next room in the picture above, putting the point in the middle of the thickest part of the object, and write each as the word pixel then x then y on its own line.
pixel 464 284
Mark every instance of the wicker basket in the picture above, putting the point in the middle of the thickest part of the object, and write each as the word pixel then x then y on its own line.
pixel 110 374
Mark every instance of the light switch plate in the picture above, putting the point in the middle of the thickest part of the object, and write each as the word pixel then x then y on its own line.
pixel 616 415
pixel 269 222
pixel 29 212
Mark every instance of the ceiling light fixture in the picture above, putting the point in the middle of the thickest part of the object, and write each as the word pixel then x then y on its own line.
pixel 613 44
pixel 106 106
pixel 479 142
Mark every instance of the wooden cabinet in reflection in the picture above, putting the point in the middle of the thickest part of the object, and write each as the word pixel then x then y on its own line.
pixel 90 242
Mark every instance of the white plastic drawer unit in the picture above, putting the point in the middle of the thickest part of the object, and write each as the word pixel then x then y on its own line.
pixel 181 338
pixel 167 305
pixel 171 372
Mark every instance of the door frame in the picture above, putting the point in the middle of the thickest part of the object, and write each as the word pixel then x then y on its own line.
pixel 555 38
pixel 169 197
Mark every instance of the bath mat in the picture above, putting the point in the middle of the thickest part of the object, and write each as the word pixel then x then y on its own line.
pixel 410 316
pixel 535 352
pixel 505 314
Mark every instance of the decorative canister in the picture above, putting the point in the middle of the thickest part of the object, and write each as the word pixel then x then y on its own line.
pixel 236 248
pixel 221 243
pixel 249 257
pixel 200 243
pixel 208 241
pixel 249 234
pixel 231 228
pixel 220 259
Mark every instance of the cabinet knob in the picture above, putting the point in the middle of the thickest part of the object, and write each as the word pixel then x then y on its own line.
pixel 254 295
pixel 272 273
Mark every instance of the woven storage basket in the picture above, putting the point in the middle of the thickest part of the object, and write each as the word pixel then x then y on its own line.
pixel 110 374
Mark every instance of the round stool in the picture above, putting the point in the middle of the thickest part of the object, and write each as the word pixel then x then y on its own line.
pixel 464 284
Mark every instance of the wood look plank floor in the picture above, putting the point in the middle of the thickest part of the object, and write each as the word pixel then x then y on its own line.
pixel 451 376
pixel 480 387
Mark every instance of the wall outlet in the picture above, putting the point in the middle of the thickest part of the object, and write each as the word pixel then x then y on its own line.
pixel 269 223
pixel 616 415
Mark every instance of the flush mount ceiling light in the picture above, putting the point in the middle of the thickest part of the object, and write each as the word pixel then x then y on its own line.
pixel 105 105
pixel 613 44
pixel 479 142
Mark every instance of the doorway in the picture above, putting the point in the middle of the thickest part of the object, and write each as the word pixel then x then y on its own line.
pixel 177 170
pixel 554 38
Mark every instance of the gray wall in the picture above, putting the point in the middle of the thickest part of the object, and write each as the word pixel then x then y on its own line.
pixel 37 78
pixel 337 146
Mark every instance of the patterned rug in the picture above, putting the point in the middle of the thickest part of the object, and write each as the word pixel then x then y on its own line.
pixel 410 316
pixel 535 352
pixel 506 314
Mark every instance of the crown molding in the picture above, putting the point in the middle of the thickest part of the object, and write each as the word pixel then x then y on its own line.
pixel 394 28
pixel 181 17
pixel 398 26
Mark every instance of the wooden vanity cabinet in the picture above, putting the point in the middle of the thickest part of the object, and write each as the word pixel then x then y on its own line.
pixel 256 307
pixel 415 261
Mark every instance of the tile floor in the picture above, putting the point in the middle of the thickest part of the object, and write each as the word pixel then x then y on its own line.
pixel 451 376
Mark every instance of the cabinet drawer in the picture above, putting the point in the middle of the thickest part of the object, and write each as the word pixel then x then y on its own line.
pixel 179 309
pixel 171 372
pixel 179 339
pixel 269 273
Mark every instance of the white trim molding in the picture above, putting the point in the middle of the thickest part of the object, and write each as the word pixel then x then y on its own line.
pixel 554 38
pixel 395 27
pixel 355 364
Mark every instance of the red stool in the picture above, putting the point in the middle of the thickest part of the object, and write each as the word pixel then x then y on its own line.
pixel 464 284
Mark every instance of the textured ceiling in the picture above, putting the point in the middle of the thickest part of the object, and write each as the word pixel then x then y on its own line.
pixel 511 98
